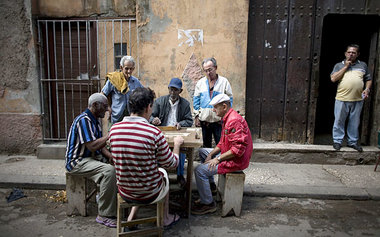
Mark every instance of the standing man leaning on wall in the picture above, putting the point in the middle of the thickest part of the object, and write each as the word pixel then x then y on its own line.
pixel 354 83
pixel 119 85
pixel 207 88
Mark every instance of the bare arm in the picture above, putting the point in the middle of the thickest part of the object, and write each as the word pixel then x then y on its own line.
pixel 336 76
pixel 97 144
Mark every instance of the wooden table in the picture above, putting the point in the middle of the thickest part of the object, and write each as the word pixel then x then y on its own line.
pixel 192 140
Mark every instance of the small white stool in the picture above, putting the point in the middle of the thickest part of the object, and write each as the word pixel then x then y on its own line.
pixel 231 188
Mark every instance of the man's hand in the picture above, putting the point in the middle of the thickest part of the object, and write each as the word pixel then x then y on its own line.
pixel 208 158
pixel 197 122
pixel 212 164
pixel 178 126
pixel 178 140
pixel 156 121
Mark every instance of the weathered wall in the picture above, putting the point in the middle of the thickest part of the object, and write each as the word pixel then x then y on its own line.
pixel 19 95
pixel 164 55
pixel 84 8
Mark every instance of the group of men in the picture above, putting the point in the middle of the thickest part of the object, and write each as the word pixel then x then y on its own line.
pixel 134 166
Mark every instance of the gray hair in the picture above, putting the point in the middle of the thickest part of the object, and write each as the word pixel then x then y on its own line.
pixel 97 97
pixel 213 60
pixel 127 58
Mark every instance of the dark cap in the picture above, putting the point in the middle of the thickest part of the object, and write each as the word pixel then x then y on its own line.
pixel 175 82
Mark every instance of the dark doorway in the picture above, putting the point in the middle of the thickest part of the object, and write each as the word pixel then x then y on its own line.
pixel 338 32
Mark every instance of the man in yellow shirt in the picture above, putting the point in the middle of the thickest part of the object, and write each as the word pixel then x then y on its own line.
pixel 354 83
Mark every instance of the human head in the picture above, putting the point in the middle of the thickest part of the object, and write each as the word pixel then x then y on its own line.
pixel 98 104
pixel 141 99
pixel 209 66
pixel 221 103
pixel 127 65
pixel 175 88
pixel 352 52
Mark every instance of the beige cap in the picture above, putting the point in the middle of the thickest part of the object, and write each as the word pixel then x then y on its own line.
pixel 219 99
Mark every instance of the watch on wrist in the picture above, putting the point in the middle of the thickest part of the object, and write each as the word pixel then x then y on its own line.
pixel 219 159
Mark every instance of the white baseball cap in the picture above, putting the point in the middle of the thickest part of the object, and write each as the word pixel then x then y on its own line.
pixel 219 99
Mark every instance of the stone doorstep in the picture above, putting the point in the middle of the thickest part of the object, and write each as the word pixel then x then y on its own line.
pixel 270 152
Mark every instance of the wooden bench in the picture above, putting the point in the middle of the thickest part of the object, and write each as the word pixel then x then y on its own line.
pixel 158 219
pixel 231 188
pixel 79 190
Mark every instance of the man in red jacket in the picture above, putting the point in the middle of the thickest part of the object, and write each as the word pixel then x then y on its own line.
pixel 232 153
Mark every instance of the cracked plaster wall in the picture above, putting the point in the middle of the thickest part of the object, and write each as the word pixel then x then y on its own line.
pixel 162 56
pixel 19 94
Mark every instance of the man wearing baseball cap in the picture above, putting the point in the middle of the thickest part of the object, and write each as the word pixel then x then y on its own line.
pixel 232 153
pixel 173 110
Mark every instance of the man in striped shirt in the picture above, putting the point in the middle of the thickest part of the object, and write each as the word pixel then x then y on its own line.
pixel 138 149
pixel 85 153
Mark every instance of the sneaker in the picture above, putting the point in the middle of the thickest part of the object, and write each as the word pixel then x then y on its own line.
pixel 202 209
pixel 356 147
pixel 337 146
pixel 109 222
pixel 213 188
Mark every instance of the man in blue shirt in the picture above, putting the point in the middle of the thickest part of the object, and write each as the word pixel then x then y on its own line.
pixel 119 85
pixel 86 153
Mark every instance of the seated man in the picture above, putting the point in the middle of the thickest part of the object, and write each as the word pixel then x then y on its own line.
pixel 85 152
pixel 173 110
pixel 138 149
pixel 232 153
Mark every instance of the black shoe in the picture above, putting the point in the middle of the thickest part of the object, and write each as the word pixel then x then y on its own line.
pixel 181 181
pixel 202 209
pixel 356 147
pixel 337 146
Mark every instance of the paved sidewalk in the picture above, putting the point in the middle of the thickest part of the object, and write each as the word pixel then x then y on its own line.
pixel 262 179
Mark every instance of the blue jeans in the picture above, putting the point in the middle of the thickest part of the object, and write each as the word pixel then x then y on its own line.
pixel 203 177
pixel 342 111
pixel 181 165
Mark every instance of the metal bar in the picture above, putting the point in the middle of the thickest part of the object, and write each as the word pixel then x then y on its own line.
pixel 88 71
pixel 56 76
pixel 71 71
pixel 71 53
pixel 48 67
pixel 42 104
pixel 121 38
pixel 63 75
pixel 105 46
pixel 130 47
pixel 80 88
pixel 97 48
pixel 138 50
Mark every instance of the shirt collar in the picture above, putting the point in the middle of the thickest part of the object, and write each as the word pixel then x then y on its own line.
pixel 226 115
pixel 92 117
pixel 134 119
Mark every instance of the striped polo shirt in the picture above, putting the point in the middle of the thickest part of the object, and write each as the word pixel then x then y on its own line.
pixel 351 86
pixel 138 148
pixel 85 128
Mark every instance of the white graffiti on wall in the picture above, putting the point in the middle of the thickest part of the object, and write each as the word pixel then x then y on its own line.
pixel 190 36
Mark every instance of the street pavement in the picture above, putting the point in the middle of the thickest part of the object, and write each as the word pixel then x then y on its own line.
pixel 358 182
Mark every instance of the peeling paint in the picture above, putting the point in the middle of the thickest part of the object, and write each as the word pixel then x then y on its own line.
pixel 190 36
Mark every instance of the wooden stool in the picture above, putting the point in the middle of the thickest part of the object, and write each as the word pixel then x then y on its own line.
pixel 79 190
pixel 158 219
pixel 377 163
pixel 231 188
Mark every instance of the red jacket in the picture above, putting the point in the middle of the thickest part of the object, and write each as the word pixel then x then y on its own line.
pixel 237 138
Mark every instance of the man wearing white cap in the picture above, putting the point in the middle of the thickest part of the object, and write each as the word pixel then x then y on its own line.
pixel 232 153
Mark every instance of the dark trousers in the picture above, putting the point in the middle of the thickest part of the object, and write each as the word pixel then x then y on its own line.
pixel 209 130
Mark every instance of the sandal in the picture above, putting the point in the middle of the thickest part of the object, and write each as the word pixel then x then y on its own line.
pixel 166 227
pixel 109 222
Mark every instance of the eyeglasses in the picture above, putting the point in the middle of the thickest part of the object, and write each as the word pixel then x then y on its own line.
pixel 208 70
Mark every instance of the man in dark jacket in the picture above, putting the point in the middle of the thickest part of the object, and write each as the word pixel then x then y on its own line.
pixel 173 110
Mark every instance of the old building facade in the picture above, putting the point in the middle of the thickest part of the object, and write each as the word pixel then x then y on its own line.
pixel 276 54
